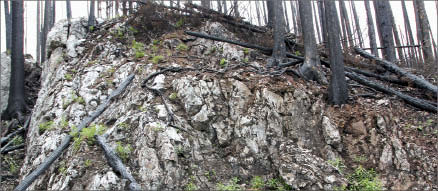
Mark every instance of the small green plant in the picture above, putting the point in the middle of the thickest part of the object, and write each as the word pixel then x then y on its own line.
pixel 68 77
pixel 277 184
pixel 362 179
pixel 210 174
pixel 298 53
pixel 158 128
pixel 246 51
pixel 132 29
pixel 211 50
pixel 138 49
pixel 191 186
pixel 62 168
pixel 139 54
pixel 156 42
pixel 13 167
pixel 154 48
pixel 79 99
pixel 223 62
pixel 257 183
pixel 173 96
pixel 89 132
pixel 180 23
pixel 245 60
pixel 182 47
pixel 229 187
pixel 157 59
pixel 123 125
pixel 360 159
pixel 46 126
pixel 87 163
pixel 91 28
pixel 119 33
pixel 123 151
pixel 338 164
pixel 17 140
pixel 90 63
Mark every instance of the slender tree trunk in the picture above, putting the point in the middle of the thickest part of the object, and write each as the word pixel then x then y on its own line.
pixel 294 18
pixel 124 10
pixel 225 7
pixel 434 45
pixel 8 19
pixel 300 31
pixel 236 8
pixel 16 105
pixel 344 35
pixel 47 20
pixel 409 34
pixel 53 17
pixel 258 12
pixel 316 23
pixel 279 50
pixel 384 26
pixel 117 8
pixel 310 70
pixel 130 7
pixel 322 21
pixel 218 3
pixel 91 17
pixel 271 13
pixel 265 15
pixel 371 30
pixel 286 17
pixel 68 5
pixel 356 21
pixel 338 92
pixel 38 46
pixel 406 61
pixel 344 14
pixel 424 31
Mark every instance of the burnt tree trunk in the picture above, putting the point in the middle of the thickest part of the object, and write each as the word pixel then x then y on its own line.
pixel 322 20
pixel 16 105
pixel 294 18
pixel 409 34
pixel 46 28
pixel 424 29
pixel 279 50
pixel 236 8
pixel 371 30
pixel 270 6
pixel 338 92
pixel 344 14
pixel 8 20
pixel 38 45
pixel 397 39
pixel 91 17
pixel 357 24
pixel 310 70
pixel 316 23
pixel 384 26
pixel 124 10
pixel 286 17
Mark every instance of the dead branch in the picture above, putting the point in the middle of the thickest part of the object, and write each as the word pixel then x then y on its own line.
pixel 422 83
pixel 419 103
pixel 115 162
pixel 13 148
pixel 379 77
pixel 406 46
pixel 66 141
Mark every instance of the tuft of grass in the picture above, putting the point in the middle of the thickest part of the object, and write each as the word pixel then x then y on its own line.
pixel 87 163
pixel 91 28
pixel 46 126
pixel 257 183
pixel 223 62
pixel 139 54
pixel 68 77
pixel 231 186
pixel 362 179
pixel 246 51
pixel 17 140
pixel 156 42
pixel 157 59
pixel 191 186
pixel 338 164
pixel 132 29
pixel 123 151
pixel 87 134
pixel 278 184
pixel 173 96
pixel 182 47
pixel 180 23
pixel 245 60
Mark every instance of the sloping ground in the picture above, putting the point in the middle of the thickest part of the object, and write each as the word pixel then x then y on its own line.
pixel 232 123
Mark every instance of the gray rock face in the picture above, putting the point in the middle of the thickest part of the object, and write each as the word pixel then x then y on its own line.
pixel 224 127
pixel 5 77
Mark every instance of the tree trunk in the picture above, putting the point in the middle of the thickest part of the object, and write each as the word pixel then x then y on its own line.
pixel 218 3
pixel 371 30
pixel 130 7
pixel 279 50
pixel 344 14
pixel 344 35
pixel 409 34
pixel 338 92
pixel 357 24
pixel 270 5
pixel 397 39
pixel 124 10
pixel 205 3
pixel 384 26
pixel 258 12
pixel 68 4
pixel 286 17
pixel 225 7
pixel 53 18
pixel 322 20
pixel 316 23
pixel 300 31
pixel 8 19
pixel 91 17
pixel 47 15
pixel 236 9
pixel 424 29
pixel 117 8
pixel 38 46
pixel 16 105
pixel 310 70
pixel 265 16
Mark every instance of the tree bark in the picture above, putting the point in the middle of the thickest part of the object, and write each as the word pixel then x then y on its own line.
pixel 38 45
pixel 225 8
pixel 322 21
pixel 424 29
pixel 338 92
pixel 409 34
pixel 279 50
pixel 316 23
pixel 422 83
pixel 371 30
pixel 8 20
pixel 294 18
pixel 397 38
pixel 286 17
pixel 16 105
pixel 357 24
pixel 384 26
pixel 46 27
pixel 258 13
pixel 344 15
pixel 91 17
pixel 53 17
pixel 310 70
pixel 236 9
pixel 271 15
pixel 124 10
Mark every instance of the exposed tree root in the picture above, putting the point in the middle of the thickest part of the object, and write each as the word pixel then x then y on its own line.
pixel 27 181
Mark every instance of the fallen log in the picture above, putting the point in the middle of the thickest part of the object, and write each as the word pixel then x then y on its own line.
pixel 422 83
pixel 13 148
pixel 379 77
pixel 115 162
pixel 405 46
pixel 419 103
pixel 66 141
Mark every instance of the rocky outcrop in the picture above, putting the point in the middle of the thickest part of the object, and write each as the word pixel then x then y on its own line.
pixel 224 126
